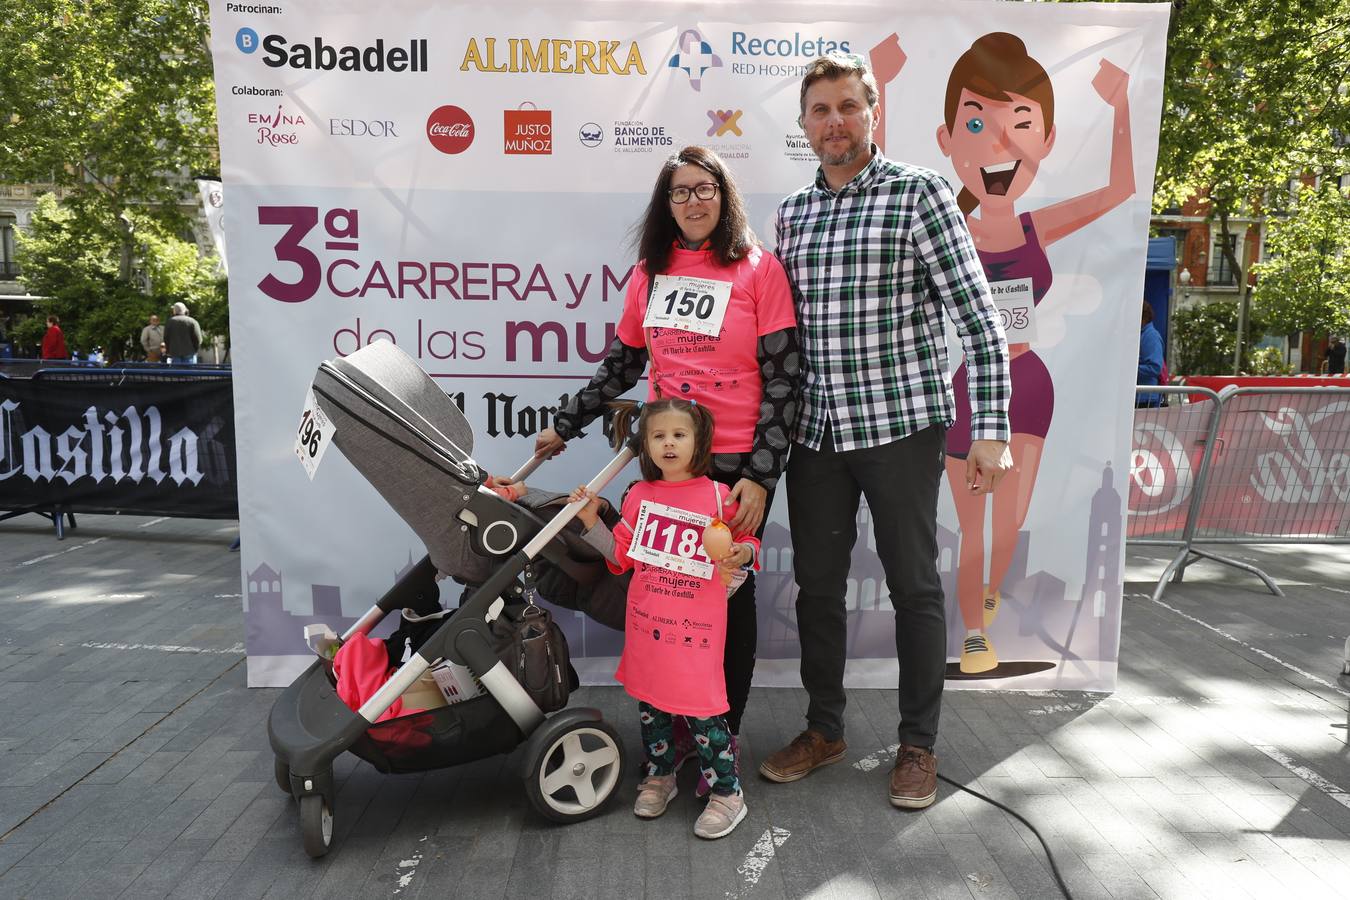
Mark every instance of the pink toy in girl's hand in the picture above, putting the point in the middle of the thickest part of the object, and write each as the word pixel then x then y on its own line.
pixel 717 543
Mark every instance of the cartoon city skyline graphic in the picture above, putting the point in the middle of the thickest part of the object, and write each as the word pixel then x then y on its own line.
pixel 1043 618
pixel 272 630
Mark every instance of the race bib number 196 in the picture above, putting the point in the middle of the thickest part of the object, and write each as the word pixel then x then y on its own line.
pixel 314 434
pixel 670 538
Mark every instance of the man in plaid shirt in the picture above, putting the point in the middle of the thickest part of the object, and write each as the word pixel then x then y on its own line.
pixel 879 257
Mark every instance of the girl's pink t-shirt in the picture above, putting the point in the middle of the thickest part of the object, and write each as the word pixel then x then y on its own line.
pixel 721 372
pixel 677 623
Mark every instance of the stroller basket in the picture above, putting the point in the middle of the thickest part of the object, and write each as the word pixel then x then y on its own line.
pixel 437 738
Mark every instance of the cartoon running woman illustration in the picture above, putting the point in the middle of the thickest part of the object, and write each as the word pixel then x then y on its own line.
pixel 999 126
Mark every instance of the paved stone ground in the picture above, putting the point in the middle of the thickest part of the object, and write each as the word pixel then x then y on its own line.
pixel 134 762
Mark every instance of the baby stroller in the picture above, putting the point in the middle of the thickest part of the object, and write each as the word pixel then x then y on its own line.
pixel 410 441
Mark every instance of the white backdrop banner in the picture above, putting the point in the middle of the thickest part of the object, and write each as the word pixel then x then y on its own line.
pixel 462 179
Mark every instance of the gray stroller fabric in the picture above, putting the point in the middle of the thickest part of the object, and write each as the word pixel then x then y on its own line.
pixel 393 455
pixel 410 441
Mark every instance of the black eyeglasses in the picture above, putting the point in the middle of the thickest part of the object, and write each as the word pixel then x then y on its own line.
pixel 705 191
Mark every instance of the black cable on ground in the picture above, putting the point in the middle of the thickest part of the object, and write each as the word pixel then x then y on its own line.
pixel 1050 857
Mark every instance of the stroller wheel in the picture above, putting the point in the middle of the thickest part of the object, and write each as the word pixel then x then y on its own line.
pixel 578 770
pixel 316 825
pixel 282 773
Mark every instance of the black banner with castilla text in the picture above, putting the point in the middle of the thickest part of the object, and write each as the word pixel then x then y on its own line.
pixel 140 448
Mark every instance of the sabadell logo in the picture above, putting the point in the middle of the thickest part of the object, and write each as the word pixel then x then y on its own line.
pixel 450 129
pixel 316 53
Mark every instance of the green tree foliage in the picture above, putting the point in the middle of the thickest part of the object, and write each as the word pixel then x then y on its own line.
pixel 1203 338
pixel 1304 283
pixel 1267 361
pixel 1255 93
pixel 77 267
pixel 113 101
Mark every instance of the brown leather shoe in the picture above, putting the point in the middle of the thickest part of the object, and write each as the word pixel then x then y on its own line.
pixel 807 752
pixel 914 778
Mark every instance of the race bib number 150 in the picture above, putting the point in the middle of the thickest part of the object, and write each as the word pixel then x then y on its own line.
pixel 689 304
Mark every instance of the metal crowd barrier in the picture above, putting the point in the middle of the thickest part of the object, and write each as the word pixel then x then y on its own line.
pixel 142 374
pixel 1246 465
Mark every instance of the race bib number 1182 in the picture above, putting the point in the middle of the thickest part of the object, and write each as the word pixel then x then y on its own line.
pixel 670 538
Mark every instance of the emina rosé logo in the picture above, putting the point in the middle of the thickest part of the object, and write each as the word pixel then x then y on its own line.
pixel 274 128
pixel 450 129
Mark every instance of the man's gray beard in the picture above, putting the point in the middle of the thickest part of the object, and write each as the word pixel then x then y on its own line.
pixel 843 159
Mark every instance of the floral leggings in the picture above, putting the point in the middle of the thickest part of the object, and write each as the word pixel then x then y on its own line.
pixel 712 740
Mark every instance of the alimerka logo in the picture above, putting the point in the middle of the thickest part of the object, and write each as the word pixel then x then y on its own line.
pixel 552 55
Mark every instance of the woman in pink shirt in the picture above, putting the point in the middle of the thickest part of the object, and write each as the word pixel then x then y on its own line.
pixel 709 315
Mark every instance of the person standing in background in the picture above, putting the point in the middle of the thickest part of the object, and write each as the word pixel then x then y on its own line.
pixel 54 341
pixel 182 337
pixel 1150 358
pixel 1336 357
pixel 152 340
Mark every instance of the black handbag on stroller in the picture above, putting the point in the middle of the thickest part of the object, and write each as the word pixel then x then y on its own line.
pixel 406 437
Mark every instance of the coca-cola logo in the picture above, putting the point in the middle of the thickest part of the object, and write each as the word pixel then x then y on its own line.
pixel 1160 470
pixel 1298 462
pixel 450 129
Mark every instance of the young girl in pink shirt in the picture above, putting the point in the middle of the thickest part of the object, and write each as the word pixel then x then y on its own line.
pixel 677 603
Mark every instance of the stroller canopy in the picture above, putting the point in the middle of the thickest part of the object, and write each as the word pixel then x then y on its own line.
pixel 407 438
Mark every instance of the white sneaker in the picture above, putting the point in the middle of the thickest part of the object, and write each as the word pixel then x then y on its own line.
pixel 721 816
pixel 654 795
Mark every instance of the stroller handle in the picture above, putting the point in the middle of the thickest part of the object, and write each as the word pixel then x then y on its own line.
pixel 568 512
pixel 528 469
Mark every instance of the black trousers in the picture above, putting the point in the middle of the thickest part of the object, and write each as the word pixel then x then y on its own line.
pixel 738 657
pixel 900 481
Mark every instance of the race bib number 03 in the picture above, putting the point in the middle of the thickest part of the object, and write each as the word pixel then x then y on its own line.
pixel 1016 308
pixel 670 538
pixel 689 304
pixel 314 434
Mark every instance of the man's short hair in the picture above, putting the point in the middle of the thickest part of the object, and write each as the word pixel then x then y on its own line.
pixel 180 309
pixel 841 65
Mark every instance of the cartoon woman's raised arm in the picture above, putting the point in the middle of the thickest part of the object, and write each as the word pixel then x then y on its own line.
pixel 886 60
pixel 1064 218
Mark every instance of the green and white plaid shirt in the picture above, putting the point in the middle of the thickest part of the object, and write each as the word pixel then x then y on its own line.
pixel 876 268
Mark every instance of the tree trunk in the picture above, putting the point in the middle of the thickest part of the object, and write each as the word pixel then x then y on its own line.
pixel 1244 296
pixel 124 263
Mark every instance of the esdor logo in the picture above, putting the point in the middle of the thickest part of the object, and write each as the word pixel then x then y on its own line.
pixel 450 129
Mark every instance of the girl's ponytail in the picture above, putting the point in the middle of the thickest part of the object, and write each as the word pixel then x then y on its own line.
pixel 626 425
